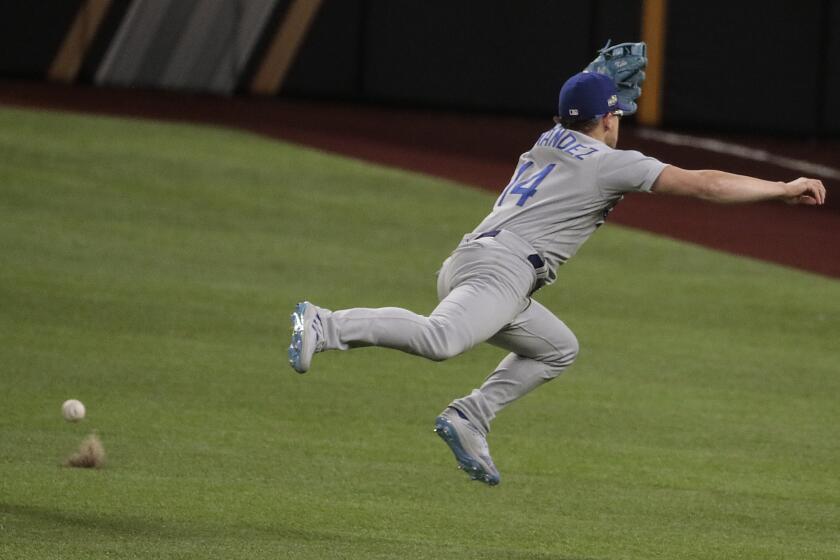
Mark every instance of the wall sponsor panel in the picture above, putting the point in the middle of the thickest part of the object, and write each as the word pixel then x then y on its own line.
pixel 199 45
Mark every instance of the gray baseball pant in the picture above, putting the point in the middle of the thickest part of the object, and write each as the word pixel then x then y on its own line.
pixel 484 289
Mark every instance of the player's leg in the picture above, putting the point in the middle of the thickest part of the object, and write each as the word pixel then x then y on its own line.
pixel 482 289
pixel 471 313
pixel 541 346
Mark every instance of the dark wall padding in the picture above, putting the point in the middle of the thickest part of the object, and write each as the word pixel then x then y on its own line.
pixel 506 56
pixel 831 115
pixel 465 54
pixel 31 33
pixel 329 63
pixel 744 65
pixel 619 20
pixel 751 65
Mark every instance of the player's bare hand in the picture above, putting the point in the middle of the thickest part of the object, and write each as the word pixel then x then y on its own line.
pixel 805 191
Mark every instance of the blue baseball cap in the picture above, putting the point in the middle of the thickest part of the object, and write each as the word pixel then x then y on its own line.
pixel 587 95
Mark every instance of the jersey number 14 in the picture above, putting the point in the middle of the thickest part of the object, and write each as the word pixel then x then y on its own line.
pixel 525 188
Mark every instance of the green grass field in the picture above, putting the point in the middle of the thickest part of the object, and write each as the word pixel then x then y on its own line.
pixel 149 269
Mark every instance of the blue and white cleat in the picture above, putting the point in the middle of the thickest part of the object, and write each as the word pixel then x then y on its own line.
pixel 307 336
pixel 468 445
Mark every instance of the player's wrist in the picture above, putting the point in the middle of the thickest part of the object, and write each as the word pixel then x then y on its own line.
pixel 787 190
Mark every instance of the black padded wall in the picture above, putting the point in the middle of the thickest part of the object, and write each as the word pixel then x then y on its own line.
pixel 743 66
pixel 329 64
pixel 510 56
pixel 31 34
pixel 463 54
pixel 830 114
pixel 748 65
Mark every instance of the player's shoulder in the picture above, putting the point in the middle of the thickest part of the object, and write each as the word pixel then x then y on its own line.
pixel 619 153
pixel 622 155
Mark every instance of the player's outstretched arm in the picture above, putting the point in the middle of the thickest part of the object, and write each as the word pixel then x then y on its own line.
pixel 720 186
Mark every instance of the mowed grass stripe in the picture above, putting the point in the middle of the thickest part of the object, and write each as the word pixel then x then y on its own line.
pixel 148 269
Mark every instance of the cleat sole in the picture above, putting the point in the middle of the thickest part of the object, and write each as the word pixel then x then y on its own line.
pixel 465 462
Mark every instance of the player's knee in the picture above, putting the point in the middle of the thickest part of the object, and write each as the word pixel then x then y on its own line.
pixel 564 356
pixel 443 351
pixel 573 350
pixel 442 342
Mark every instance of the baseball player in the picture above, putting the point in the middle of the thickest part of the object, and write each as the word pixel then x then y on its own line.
pixel 561 191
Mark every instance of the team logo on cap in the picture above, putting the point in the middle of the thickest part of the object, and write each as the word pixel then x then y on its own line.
pixel 612 100
pixel 574 112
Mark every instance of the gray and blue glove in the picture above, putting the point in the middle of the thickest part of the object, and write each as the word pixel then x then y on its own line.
pixel 625 64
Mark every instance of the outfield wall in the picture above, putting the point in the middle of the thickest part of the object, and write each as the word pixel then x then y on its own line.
pixel 740 66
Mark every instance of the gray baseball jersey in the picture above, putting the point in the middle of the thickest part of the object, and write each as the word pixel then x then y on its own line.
pixel 563 189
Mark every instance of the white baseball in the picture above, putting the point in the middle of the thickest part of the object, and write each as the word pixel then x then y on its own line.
pixel 73 410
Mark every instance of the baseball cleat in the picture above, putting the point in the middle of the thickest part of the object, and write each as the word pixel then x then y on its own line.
pixel 307 336
pixel 468 445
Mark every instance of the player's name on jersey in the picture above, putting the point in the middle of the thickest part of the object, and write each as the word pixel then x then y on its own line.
pixel 567 142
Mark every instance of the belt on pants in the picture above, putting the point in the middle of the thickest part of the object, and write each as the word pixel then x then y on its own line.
pixel 536 261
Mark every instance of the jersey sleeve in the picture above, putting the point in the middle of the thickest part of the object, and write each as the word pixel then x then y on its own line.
pixel 622 171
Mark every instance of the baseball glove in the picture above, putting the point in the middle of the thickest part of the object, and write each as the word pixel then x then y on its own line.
pixel 625 64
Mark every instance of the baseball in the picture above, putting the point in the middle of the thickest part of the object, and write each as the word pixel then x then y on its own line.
pixel 73 410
